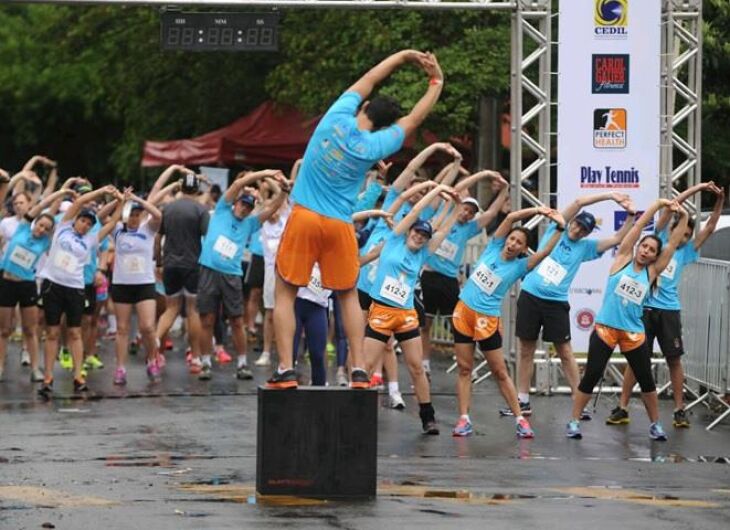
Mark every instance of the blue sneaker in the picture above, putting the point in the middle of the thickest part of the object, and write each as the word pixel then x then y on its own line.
pixel 656 432
pixel 524 430
pixel 463 428
pixel 572 430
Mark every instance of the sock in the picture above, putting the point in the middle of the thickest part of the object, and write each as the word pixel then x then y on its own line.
pixel 426 363
pixel 375 374
pixel 206 360
pixel 241 361
pixel 465 417
pixel 112 319
pixel 393 387
pixel 281 369
pixel 519 418
pixel 426 411
pixel 265 354
pixel 523 398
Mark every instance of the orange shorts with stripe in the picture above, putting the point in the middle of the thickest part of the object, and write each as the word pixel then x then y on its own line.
pixel 391 320
pixel 625 340
pixel 311 238
pixel 475 325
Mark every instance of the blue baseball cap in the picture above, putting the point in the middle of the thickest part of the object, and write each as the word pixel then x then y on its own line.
pixel 88 212
pixel 586 220
pixel 247 200
pixel 424 227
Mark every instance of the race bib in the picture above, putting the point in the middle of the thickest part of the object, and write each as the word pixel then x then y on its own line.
pixel 22 257
pixel 630 290
pixel 133 264
pixel 225 247
pixel 669 271
pixel 551 271
pixel 372 271
pixel 447 250
pixel 65 261
pixel 315 284
pixel 395 290
pixel 486 279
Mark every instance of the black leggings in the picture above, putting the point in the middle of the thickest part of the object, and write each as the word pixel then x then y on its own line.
pixel 599 354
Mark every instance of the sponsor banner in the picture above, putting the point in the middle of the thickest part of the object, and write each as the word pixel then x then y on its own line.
pixel 608 125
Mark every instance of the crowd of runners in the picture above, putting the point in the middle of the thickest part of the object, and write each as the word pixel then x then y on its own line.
pixel 338 254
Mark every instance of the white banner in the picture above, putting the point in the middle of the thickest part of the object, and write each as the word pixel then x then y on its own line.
pixel 608 124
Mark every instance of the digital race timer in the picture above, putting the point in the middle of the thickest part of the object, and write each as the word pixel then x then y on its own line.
pixel 220 31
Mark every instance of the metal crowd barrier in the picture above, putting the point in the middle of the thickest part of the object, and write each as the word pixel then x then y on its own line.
pixel 705 294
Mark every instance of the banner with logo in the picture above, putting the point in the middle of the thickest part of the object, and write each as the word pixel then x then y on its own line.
pixel 608 124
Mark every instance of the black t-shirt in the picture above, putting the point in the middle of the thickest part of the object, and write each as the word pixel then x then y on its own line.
pixel 184 223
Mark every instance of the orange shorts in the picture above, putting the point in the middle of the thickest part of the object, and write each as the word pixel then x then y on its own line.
pixel 391 320
pixel 311 238
pixel 475 325
pixel 625 340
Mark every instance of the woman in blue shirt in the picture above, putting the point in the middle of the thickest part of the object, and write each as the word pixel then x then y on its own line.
pixel 476 316
pixel 618 323
pixel 392 311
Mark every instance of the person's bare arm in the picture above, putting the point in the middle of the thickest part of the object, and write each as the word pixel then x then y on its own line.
pixel 625 250
pixel 406 177
pixel 378 73
pixel 412 216
pixel 86 198
pixel 574 207
pixel 616 238
pixel 51 183
pixel 668 250
pixel 367 214
pixel 445 227
pixel 712 221
pixel 107 228
pixel 371 255
pixel 535 259
pixel 166 175
pixel 419 112
pixel 490 213
pixel 36 210
pixel 172 188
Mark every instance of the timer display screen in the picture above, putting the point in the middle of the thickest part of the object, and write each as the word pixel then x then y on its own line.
pixel 220 31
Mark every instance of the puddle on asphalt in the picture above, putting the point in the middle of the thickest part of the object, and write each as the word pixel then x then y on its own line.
pixel 159 460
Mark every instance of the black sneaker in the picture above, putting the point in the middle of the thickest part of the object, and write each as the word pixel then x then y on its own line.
pixel 80 385
pixel 359 379
pixel 283 380
pixel 586 415
pixel 430 427
pixel 525 408
pixel 680 419
pixel 205 374
pixel 619 416
pixel 242 372
pixel 46 390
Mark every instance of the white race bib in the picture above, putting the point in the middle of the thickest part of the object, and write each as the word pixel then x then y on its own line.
pixel 486 279
pixel 395 290
pixel 65 261
pixel 668 273
pixel 551 271
pixel 315 283
pixel 447 250
pixel 22 257
pixel 132 264
pixel 630 290
pixel 225 247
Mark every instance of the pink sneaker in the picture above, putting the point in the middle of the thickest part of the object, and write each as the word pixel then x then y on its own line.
pixel 222 356
pixel 120 376
pixel 161 361
pixel 188 357
pixel 153 370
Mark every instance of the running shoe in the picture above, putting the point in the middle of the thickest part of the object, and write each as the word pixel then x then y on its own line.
pixel 205 373
pixel 196 365
pixel 619 416
pixel 120 376
pixel 524 430
pixel 525 409
pixel 242 372
pixel 463 428
pixel 376 381
pixel 586 415
pixel 168 344
pixel 24 358
pixel 330 348
pixel 153 370
pixel 80 385
pixel 395 401
pixel 36 376
pixel 222 356
pixel 16 336
pixel 65 359
pixel 430 427
pixel 680 420
pixel 572 430
pixel 359 379
pixel 341 377
pixel 656 432
pixel 161 360
pixel 46 389
pixel 264 359
pixel 92 362
pixel 188 356
pixel 282 380
pixel 84 372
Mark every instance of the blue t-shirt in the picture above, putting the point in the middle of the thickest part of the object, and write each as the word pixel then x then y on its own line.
pixel 23 252
pixel 369 198
pixel 447 258
pixel 492 279
pixel 338 156
pixel 623 303
pixel 666 296
pixel 551 279
pixel 255 245
pixel 397 272
pixel 226 238
pixel 91 265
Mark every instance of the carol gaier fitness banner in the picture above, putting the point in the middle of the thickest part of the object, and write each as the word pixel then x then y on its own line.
pixel 608 124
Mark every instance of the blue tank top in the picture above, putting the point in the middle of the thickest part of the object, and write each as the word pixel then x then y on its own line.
pixel 623 303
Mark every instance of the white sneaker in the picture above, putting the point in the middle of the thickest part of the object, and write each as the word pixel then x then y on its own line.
pixel 264 359
pixel 396 401
pixel 24 358
pixel 341 377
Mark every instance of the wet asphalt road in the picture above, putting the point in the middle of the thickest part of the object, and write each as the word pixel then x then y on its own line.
pixel 182 454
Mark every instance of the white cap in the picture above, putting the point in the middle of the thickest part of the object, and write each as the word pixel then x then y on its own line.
pixel 473 202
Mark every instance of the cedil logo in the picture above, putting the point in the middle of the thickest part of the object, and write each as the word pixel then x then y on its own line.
pixel 611 18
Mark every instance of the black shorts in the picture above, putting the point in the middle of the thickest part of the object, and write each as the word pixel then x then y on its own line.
pixel 440 293
pixel 255 272
pixel 534 313
pixel 179 281
pixel 246 289
pixel 23 293
pixel 89 299
pixel 493 342
pixel 666 326
pixel 418 306
pixel 216 289
pixel 57 300
pixel 365 300
pixel 132 294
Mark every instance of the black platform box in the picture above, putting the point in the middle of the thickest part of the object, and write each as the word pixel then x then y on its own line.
pixel 317 442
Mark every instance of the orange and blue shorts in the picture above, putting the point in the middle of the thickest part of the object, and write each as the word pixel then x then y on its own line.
pixel 471 326
pixel 625 340
pixel 384 321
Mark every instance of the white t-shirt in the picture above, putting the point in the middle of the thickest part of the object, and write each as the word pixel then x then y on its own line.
pixel 68 254
pixel 134 255
pixel 314 292
pixel 271 232
pixel 8 226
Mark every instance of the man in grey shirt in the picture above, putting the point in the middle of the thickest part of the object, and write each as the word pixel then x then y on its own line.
pixel 184 223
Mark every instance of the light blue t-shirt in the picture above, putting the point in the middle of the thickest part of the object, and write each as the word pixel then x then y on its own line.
pixel 492 279
pixel 23 252
pixel 369 198
pixel 398 272
pixel 255 245
pixel 447 258
pixel 226 238
pixel 551 279
pixel 623 303
pixel 338 156
pixel 666 296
